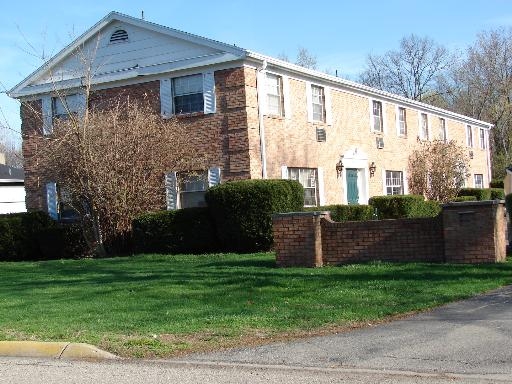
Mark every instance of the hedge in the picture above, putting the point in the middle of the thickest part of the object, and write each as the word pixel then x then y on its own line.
pixel 464 198
pixel 35 236
pixel 404 206
pixel 479 193
pixel 189 230
pixel 497 194
pixel 497 183
pixel 242 211
pixel 347 212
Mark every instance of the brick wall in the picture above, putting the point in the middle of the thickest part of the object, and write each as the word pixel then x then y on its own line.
pixel 466 232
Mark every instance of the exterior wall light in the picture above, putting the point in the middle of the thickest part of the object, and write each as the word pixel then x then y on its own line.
pixel 339 167
pixel 372 169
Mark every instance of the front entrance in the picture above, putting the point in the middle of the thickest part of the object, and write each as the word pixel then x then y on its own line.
pixel 352 186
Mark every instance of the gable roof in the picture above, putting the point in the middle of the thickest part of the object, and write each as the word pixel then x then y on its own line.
pixel 27 87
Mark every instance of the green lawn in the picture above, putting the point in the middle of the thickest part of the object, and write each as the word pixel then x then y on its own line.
pixel 158 306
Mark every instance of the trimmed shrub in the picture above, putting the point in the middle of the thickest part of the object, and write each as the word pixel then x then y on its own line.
pixel 497 183
pixel 479 193
pixel 497 193
pixel 62 241
pixel 242 211
pixel 189 230
pixel 347 212
pixel 508 204
pixel 404 206
pixel 464 198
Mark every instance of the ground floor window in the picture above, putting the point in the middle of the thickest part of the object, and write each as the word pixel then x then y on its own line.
pixel 479 180
pixel 308 177
pixel 192 188
pixel 394 183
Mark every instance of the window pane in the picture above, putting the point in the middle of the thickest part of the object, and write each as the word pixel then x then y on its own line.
pixel 188 84
pixel 394 183
pixel 307 177
pixel 318 101
pixel 189 103
pixel 192 199
pixel 377 116
pixel 188 94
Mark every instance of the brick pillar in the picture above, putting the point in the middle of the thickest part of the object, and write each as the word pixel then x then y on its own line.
pixel 474 232
pixel 298 238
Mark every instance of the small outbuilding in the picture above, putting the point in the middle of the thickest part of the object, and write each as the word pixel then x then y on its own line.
pixel 12 188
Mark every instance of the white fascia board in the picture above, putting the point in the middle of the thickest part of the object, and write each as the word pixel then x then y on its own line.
pixel 18 90
pixel 361 89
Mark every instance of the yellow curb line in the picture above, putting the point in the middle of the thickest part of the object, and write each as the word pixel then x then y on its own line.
pixel 56 350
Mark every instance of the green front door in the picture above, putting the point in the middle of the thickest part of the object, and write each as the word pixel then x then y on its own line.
pixel 352 190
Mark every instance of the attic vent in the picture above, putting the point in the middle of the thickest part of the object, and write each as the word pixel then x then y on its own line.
pixel 118 36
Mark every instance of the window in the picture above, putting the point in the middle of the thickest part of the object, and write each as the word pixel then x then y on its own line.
pixel 482 138
pixel 59 203
pixel 469 136
pixel 424 126
pixel 192 188
pixel 394 183
pixel 377 116
pixel 275 100
pixel 402 122
pixel 318 103
pixel 188 94
pixel 63 106
pixel 308 177
pixel 479 180
pixel 442 130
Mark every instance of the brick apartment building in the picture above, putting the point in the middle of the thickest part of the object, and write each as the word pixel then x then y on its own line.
pixel 256 116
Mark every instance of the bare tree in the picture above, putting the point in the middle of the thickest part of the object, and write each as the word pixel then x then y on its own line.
pixel 410 71
pixel 10 147
pixel 306 59
pixel 437 170
pixel 481 87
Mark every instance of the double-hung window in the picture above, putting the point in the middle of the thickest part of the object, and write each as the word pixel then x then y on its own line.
pixel 308 177
pixel 394 183
pixel 378 122
pixel 63 106
pixel 479 180
pixel 469 136
pixel 482 138
pixel 402 122
pixel 424 126
pixel 318 103
pixel 275 99
pixel 192 188
pixel 442 130
pixel 188 94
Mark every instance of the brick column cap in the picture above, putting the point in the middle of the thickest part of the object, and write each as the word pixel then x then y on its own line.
pixel 312 214
pixel 457 204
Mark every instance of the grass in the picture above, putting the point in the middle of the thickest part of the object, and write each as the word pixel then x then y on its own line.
pixel 161 306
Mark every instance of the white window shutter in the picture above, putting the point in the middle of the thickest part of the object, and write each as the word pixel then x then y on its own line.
pixel 406 184
pixel 261 82
pixel 286 98
pixel 213 176
pixel 284 172
pixel 52 200
pixel 328 106
pixel 321 190
pixel 166 98
pixel 209 92
pixel 171 191
pixel 47 112
pixel 384 188
pixel 309 101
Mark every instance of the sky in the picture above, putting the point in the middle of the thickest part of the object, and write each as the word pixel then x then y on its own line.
pixel 340 33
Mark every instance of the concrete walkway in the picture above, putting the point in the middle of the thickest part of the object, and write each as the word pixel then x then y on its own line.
pixel 469 337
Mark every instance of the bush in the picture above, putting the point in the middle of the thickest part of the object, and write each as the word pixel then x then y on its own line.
pixel 404 206
pixel 464 198
pixel 497 194
pixel 479 193
pixel 508 204
pixel 242 211
pixel 189 230
pixel 62 241
pixel 497 183
pixel 347 212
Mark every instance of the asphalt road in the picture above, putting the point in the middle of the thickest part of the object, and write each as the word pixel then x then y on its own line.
pixel 464 342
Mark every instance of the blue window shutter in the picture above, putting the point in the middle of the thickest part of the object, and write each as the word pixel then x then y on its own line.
pixel 166 98
pixel 47 112
pixel 209 92
pixel 171 191
pixel 52 200
pixel 284 172
pixel 213 176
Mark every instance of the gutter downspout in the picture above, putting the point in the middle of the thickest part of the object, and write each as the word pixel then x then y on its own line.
pixel 260 89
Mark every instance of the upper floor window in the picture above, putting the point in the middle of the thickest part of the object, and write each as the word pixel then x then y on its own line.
pixel 424 126
pixel 479 180
pixel 442 130
pixel 482 138
pixel 378 123
pixel 318 103
pixel 394 183
pixel 469 136
pixel 275 99
pixel 308 177
pixel 63 106
pixel 188 94
pixel 402 122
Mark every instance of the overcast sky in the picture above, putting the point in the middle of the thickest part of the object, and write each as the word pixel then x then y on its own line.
pixel 340 33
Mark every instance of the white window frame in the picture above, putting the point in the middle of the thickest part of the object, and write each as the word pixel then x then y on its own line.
pixel 174 187
pixel 373 117
pixel 401 125
pixel 278 95
pixel 424 126
pixel 469 136
pixel 481 137
pixel 286 173
pixel 390 182
pixel 443 134
pixel 480 182
pixel 318 100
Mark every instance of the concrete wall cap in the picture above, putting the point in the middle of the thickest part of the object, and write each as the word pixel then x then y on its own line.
pixel 312 213
pixel 472 203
